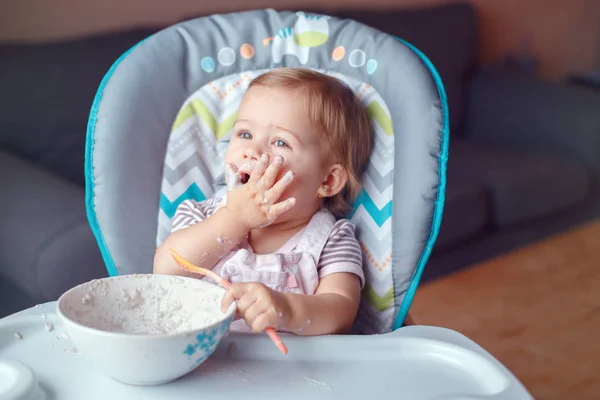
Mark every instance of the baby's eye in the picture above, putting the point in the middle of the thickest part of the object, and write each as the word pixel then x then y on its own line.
pixel 280 143
pixel 245 135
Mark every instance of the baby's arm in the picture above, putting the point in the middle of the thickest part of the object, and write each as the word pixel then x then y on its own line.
pixel 332 309
pixel 203 243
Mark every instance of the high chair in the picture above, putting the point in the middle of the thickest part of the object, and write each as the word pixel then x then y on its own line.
pixel 162 118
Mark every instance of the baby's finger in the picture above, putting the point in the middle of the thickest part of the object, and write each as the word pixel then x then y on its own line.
pixel 247 301
pixel 273 194
pixel 261 322
pixel 237 316
pixel 236 291
pixel 228 299
pixel 270 174
pixel 277 209
pixel 232 294
pixel 232 179
pixel 259 169
pixel 252 313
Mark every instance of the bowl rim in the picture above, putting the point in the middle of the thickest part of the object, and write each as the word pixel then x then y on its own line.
pixel 141 336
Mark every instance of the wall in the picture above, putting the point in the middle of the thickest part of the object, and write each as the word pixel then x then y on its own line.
pixel 564 34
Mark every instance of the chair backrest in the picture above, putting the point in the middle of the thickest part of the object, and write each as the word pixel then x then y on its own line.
pixel 159 126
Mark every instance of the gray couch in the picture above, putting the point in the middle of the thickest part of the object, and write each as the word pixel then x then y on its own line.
pixel 524 153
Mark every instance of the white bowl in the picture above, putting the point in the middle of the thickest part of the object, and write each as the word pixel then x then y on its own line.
pixel 145 329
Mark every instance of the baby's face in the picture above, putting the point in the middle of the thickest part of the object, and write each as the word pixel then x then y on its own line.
pixel 275 122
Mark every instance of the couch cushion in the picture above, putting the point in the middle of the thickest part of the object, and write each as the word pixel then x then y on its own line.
pixel 46 244
pixel 467 211
pixel 522 186
pixel 47 93
pixel 447 34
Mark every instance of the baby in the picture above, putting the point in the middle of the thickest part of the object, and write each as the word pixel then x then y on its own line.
pixel 299 145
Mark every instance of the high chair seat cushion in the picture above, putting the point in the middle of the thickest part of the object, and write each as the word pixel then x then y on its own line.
pixel 160 121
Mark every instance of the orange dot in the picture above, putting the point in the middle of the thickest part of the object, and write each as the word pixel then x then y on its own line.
pixel 338 53
pixel 247 51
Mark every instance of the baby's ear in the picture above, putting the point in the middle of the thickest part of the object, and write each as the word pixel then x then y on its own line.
pixel 334 181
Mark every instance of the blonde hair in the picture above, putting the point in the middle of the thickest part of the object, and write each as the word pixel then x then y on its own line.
pixel 335 110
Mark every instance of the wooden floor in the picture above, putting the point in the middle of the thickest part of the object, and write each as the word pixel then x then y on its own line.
pixel 537 310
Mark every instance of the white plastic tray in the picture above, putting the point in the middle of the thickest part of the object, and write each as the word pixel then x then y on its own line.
pixel 412 363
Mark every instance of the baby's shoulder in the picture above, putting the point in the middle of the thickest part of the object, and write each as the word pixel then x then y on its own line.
pixel 343 227
pixel 343 232
pixel 204 208
pixel 189 212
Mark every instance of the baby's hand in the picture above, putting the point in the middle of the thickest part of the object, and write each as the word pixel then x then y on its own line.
pixel 260 306
pixel 254 203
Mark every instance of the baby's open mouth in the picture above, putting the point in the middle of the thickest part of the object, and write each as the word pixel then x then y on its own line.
pixel 244 172
pixel 244 177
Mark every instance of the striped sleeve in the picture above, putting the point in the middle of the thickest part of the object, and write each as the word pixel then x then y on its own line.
pixel 190 212
pixel 342 252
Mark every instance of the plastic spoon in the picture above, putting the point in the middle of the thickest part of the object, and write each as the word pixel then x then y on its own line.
pixel 188 266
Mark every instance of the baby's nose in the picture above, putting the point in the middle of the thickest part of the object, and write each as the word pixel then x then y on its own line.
pixel 250 154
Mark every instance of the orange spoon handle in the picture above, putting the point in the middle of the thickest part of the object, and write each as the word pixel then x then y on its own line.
pixel 277 340
pixel 188 266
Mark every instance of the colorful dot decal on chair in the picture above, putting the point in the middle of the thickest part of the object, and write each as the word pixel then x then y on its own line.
pixel 247 51
pixel 208 64
pixel 226 56
pixel 338 53
pixel 357 58
pixel 371 66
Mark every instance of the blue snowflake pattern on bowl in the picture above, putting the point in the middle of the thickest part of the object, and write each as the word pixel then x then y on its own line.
pixel 224 328
pixel 206 342
pixel 189 350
